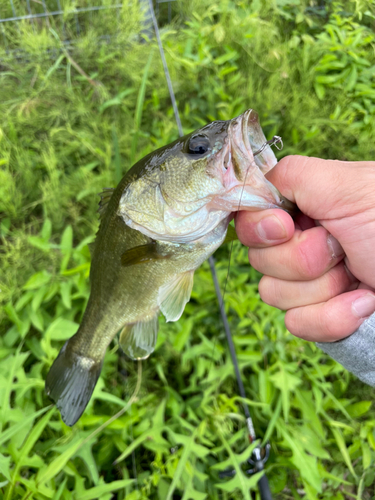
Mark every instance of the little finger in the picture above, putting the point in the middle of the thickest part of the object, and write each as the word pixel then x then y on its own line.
pixel 333 320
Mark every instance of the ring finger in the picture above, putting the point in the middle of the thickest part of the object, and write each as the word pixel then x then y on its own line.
pixel 290 294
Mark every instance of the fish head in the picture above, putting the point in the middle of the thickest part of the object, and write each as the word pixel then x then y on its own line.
pixel 183 190
pixel 244 160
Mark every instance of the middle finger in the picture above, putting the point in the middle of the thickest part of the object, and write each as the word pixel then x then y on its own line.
pixel 306 256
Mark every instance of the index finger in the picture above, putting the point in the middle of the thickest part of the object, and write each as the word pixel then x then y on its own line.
pixel 264 228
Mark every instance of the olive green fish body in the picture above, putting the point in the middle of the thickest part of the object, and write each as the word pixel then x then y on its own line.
pixel 168 215
pixel 128 294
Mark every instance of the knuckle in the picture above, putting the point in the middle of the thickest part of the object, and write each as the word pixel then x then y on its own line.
pixel 268 291
pixel 255 259
pixel 292 323
pixel 311 264
pixel 330 329
pixel 293 166
pixel 320 322
pixel 334 282
pixel 307 266
pixel 329 323
pixel 337 281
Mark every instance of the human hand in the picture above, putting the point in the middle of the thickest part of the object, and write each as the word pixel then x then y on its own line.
pixel 322 273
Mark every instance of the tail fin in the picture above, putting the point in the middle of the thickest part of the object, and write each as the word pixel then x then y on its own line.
pixel 70 383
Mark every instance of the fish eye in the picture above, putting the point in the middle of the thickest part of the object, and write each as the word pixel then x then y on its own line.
pixel 198 145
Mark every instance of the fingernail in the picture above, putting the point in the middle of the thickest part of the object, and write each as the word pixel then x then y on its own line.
pixel 335 247
pixel 364 306
pixel 271 229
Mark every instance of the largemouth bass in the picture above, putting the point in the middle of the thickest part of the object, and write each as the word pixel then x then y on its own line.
pixel 165 218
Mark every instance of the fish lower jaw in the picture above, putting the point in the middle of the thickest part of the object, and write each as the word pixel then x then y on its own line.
pixel 240 197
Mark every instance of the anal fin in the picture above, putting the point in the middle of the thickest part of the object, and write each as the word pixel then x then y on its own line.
pixel 174 295
pixel 138 340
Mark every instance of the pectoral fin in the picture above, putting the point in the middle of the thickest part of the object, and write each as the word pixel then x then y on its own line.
pixel 231 235
pixel 138 340
pixel 142 253
pixel 173 296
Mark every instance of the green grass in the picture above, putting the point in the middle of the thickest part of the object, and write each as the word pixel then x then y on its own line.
pixel 72 123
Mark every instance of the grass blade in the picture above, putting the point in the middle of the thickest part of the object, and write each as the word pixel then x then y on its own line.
pixel 139 108
pixel 32 438
pixel 59 463
pixel 344 450
pixel 239 477
pixel 20 425
pixel 181 465
pixel 272 424
pixel 138 441
pixel 98 491
pixel 117 159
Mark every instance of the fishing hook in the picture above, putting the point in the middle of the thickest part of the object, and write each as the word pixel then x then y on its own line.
pixel 275 141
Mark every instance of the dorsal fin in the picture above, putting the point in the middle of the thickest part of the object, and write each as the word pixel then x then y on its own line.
pixel 92 248
pixel 105 196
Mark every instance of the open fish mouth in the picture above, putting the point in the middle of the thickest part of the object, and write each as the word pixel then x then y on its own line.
pixel 248 158
pixel 256 142
pixel 249 145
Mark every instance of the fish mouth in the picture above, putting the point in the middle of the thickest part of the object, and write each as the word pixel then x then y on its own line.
pixel 250 158
pixel 256 143
pixel 249 147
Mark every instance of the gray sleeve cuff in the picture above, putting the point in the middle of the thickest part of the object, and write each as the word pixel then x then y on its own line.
pixel 356 352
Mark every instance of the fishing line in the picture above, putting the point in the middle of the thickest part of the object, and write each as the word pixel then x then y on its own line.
pixel 276 139
pixel 257 459
pixel 175 110
pixel 119 413
pixel 166 70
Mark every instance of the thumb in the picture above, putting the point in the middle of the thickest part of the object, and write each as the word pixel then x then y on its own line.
pixel 321 187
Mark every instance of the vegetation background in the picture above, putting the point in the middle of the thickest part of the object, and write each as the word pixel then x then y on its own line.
pixel 73 119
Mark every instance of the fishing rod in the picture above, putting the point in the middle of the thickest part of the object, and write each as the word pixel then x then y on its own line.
pixel 259 456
